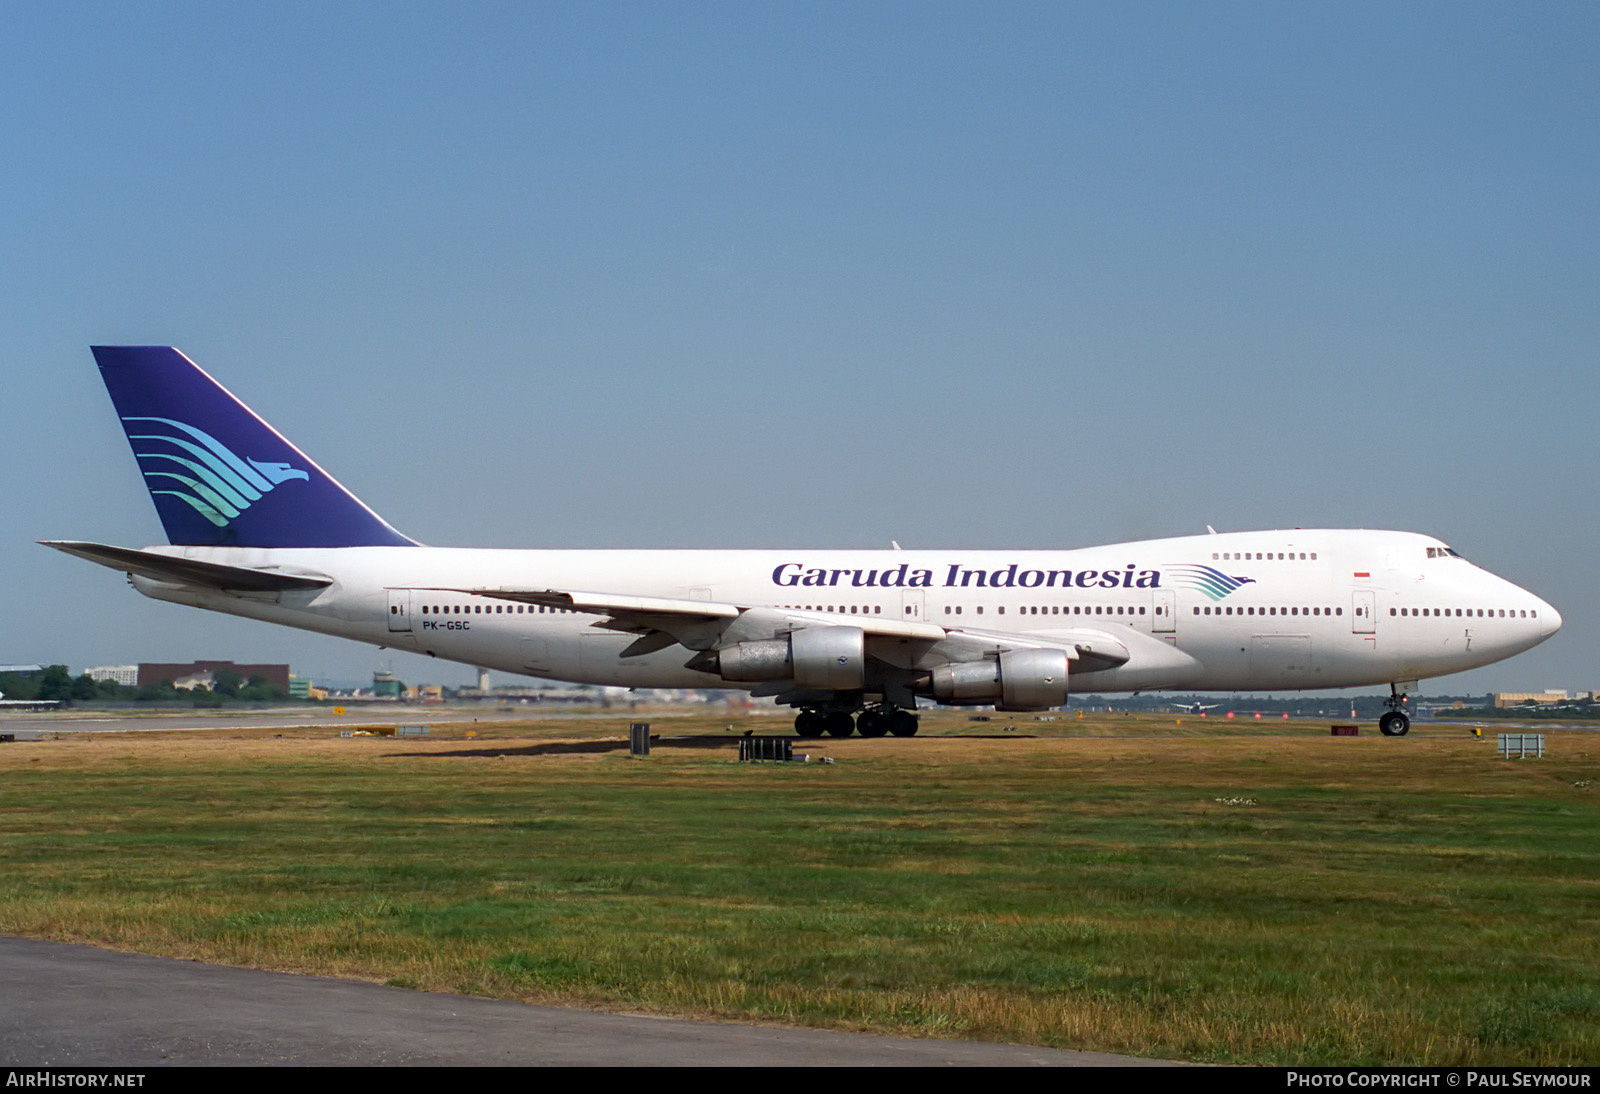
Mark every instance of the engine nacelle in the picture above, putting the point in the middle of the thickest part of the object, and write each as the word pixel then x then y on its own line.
pixel 824 658
pixel 1019 680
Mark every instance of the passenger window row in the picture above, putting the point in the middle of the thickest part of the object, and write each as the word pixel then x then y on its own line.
pixel 492 609
pixel 1260 556
pixel 1056 609
pixel 1223 610
pixel 837 609
pixel 1469 613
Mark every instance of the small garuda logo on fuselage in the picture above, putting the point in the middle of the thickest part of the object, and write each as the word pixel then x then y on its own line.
pixel 218 484
pixel 1208 579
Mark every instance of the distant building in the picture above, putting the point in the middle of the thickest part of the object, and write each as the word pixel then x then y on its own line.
pixel 202 673
pixel 302 687
pixel 384 685
pixel 126 675
pixel 1518 698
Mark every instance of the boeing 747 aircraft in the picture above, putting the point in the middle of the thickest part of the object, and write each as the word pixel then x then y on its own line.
pixel 852 639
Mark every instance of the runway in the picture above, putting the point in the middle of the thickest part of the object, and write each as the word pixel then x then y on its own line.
pixel 76 1006
pixel 34 725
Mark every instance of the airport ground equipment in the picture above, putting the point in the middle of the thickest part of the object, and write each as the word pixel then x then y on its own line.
pixel 1520 745
pixel 780 749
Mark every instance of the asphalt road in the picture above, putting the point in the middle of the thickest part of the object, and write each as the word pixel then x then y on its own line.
pixel 77 1006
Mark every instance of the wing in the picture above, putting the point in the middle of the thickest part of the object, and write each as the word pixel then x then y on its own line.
pixel 702 625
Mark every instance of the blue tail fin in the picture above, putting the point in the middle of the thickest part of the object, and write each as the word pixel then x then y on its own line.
pixel 219 475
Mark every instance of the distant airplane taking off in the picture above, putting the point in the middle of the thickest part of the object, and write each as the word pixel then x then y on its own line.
pixel 853 639
pixel 27 704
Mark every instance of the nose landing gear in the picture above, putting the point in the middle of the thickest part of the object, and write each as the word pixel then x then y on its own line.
pixel 1395 721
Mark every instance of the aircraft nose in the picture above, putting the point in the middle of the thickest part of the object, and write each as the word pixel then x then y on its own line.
pixel 1549 620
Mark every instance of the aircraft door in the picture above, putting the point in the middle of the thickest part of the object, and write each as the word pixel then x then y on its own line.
pixel 400 609
pixel 1363 612
pixel 1281 660
pixel 1166 612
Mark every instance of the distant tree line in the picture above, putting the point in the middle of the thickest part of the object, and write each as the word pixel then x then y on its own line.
pixel 1531 708
pixel 57 683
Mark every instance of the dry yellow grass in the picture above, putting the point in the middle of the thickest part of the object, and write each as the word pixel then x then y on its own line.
pixel 1262 892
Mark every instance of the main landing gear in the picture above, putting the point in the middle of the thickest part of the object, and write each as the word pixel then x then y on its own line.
pixel 873 722
pixel 1395 721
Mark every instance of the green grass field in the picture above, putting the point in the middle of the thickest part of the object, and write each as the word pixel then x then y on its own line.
pixel 1254 892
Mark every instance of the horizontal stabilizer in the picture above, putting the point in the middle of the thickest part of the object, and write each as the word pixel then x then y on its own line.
pixel 188 571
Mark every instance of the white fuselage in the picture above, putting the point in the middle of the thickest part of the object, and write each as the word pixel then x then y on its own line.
pixel 1277 609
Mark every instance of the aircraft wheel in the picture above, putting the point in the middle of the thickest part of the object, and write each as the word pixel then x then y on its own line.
pixel 902 723
pixel 1394 724
pixel 808 723
pixel 872 723
pixel 839 724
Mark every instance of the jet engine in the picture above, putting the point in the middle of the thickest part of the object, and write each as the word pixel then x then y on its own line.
pixel 1016 680
pixel 824 658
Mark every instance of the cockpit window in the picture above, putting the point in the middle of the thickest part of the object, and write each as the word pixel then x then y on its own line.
pixel 1443 552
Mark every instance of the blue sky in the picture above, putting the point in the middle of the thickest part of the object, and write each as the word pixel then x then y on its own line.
pixel 726 275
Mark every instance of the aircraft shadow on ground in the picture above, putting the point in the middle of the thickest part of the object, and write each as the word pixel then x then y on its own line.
pixel 572 748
